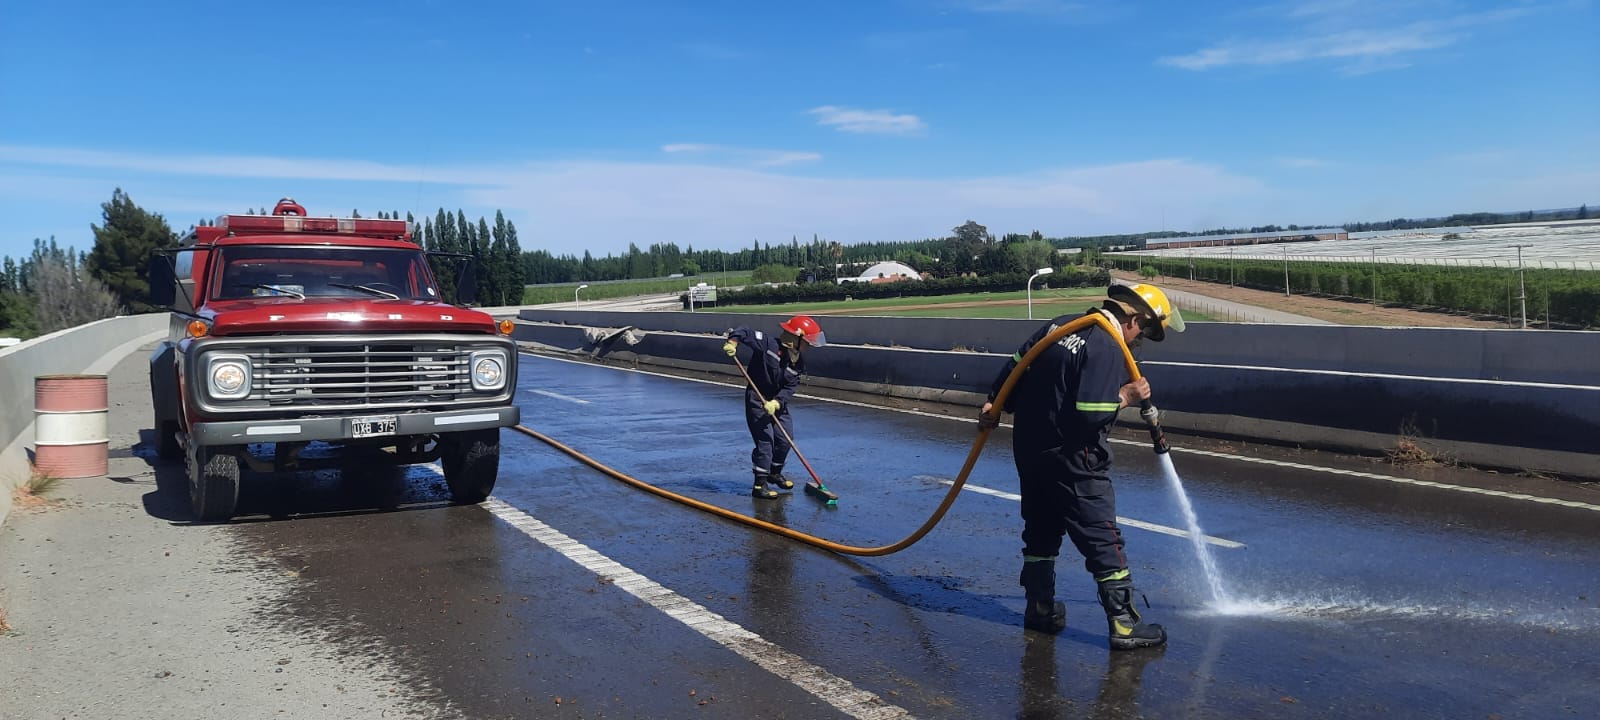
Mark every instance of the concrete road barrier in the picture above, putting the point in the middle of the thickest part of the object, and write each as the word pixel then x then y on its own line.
pixel 1520 400
pixel 82 349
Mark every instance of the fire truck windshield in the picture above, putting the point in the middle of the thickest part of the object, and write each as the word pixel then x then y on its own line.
pixel 252 271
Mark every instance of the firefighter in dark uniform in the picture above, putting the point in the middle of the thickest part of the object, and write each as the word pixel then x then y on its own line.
pixel 776 364
pixel 1064 405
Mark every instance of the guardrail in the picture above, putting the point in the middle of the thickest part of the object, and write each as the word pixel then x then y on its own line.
pixel 1497 398
pixel 74 350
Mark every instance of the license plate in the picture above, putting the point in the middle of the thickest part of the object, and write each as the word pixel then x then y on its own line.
pixel 372 426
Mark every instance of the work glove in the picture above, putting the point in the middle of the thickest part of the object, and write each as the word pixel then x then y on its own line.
pixel 988 417
pixel 772 407
pixel 731 348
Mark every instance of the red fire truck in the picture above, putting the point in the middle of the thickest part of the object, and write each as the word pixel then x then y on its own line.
pixel 289 329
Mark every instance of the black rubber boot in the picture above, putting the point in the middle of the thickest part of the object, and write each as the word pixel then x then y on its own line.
pixel 779 480
pixel 1043 613
pixel 1125 627
pixel 760 490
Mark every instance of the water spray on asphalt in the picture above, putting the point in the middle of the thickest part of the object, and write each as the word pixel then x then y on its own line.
pixel 1208 562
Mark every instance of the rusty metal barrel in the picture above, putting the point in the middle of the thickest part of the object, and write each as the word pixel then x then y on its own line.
pixel 69 432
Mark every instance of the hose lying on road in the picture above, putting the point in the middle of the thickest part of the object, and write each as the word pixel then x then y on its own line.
pixel 944 506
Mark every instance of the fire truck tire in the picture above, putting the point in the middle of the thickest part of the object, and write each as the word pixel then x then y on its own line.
pixel 471 463
pixel 213 483
pixel 167 446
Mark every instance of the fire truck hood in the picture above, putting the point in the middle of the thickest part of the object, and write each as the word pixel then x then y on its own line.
pixel 261 316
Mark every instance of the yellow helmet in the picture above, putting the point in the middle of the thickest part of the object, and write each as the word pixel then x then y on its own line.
pixel 1149 301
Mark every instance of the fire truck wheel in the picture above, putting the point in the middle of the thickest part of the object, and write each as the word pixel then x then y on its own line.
pixel 471 462
pixel 213 483
pixel 167 446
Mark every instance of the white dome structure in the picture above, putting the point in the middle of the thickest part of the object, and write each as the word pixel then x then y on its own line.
pixel 885 272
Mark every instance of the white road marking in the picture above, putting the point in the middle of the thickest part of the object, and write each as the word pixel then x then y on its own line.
pixel 559 396
pixel 1130 522
pixel 1390 478
pixel 1191 451
pixel 831 689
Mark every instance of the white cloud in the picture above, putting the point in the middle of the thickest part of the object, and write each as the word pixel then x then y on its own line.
pixel 743 156
pixel 1345 45
pixel 1365 36
pixel 884 122
pixel 567 207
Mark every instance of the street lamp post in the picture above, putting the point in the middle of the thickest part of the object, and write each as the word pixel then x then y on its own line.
pixel 1374 276
pixel 1286 270
pixel 1522 288
pixel 575 293
pixel 1036 274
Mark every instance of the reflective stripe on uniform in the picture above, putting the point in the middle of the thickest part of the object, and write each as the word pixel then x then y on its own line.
pixel 1099 407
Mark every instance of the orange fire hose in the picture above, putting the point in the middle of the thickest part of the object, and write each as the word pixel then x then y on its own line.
pixel 944 506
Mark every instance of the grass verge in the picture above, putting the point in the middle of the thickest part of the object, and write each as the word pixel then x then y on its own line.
pixel 544 294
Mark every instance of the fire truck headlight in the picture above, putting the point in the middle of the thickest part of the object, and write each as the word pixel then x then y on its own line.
pixel 488 370
pixel 229 376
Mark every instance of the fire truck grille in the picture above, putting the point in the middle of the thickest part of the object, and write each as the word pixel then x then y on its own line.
pixel 358 375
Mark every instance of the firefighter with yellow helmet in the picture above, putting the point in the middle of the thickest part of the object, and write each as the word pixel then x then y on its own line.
pixel 1064 406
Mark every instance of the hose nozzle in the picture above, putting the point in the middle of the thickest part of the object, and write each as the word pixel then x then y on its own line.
pixel 1152 417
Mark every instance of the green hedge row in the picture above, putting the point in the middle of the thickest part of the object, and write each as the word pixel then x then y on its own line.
pixel 1568 297
pixel 826 291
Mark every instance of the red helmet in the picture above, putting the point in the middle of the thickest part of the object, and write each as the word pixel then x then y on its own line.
pixel 806 328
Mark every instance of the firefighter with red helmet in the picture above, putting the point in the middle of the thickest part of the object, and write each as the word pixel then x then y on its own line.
pixel 775 367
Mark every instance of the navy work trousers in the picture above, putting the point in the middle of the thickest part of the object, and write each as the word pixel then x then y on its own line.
pixel 1068 493
pixel 772 448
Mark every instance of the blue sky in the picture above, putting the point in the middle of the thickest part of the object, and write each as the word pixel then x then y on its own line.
pixel 595 124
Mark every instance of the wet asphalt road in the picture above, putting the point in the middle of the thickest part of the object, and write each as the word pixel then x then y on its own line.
pixel 1352 597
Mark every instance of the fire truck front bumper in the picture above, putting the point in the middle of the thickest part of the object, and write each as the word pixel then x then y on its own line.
pixel 355 428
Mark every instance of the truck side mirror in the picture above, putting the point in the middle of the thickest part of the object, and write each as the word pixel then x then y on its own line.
pixel 466 283
pixel 163 281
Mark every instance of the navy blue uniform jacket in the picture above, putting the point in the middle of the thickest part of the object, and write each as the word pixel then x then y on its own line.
pixel 1068 398
pixel 774 376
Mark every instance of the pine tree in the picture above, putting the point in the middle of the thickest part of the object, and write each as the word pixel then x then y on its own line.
pixel 122 249
pixel 489 273
pixel 443 238
pixel 519 277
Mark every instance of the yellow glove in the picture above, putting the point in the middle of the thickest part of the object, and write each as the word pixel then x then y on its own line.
pixel 772 407
pixel 731 348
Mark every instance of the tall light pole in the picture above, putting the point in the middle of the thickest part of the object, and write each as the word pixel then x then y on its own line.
pixel 1286 270
pixel 1230 267
pixel 1374 276
pixel 575 293
pixel 1036 274
pixel 1522 289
